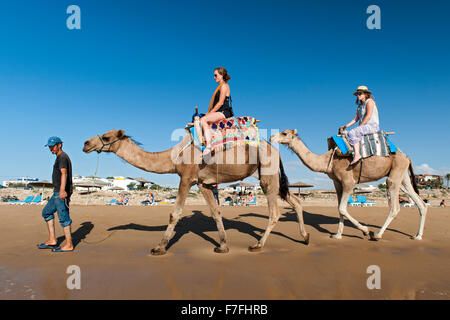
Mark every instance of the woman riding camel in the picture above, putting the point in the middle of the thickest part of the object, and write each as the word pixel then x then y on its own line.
pixel 367 114
pixel 219 107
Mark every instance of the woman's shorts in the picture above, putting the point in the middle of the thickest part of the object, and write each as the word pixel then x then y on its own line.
pixel 227 112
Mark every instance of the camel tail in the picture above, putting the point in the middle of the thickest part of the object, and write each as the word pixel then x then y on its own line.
pixel 284 183
pixel 413 179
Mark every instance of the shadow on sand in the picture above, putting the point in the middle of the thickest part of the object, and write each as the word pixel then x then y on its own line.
pixel 317 220
pixel 78 235
pixel 198 224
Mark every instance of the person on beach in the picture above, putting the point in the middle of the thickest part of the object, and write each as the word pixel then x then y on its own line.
pixel 442 204
pixel 59 202
pixel 367 115
pixel 219 107
pixel 215 192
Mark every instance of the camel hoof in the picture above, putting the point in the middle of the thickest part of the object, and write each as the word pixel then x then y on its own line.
pixel 416 238
pixel 366 233
pixel 336 236
pixel 307 238
pixel 255 248
pixel 373 236
pixel 157 252
pixel 221 250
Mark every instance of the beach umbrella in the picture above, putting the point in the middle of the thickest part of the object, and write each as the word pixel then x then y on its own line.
pixel 300 184
pixel 88 185
pixel 242 185
pixel 141 180
pixel 116 188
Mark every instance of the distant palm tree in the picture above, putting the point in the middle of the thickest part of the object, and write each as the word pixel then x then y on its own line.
pixel 447 176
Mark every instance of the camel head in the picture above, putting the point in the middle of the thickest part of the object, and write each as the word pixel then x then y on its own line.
pixel 107 142
pixel 284 137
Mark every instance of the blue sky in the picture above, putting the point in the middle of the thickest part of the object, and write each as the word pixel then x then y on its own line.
pixel 142 66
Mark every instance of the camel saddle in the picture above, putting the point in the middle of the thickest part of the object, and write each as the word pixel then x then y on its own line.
pixel 373 144
pixel 228 132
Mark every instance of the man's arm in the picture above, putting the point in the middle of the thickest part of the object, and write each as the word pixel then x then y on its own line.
pixel 62 189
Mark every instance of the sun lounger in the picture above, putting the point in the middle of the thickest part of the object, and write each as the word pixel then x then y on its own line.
pixel 36 200
pixel 27 200
pixel 353 203
pixel 112 202
pixel 409 204
pixel 252 203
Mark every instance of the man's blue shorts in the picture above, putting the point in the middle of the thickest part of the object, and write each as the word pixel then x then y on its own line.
pixel 56 204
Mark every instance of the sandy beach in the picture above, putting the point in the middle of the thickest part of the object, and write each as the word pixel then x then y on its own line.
pixel 113 244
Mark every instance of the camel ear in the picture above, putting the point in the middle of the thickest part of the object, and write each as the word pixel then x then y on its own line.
pixel 120 134
pixel 295 131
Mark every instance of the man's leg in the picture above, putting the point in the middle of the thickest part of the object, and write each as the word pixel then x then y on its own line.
pixel 51 233
pixel 48 215
pixel 68 235
pixel 64 218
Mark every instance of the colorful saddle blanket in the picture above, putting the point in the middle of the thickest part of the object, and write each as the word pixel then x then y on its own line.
pixel 374 144
pixel 232 131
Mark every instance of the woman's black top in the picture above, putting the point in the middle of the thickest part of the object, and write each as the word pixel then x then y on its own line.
pixel 226 108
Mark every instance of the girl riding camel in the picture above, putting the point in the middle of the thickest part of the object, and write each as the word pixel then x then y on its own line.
pixel 367 114
pixel 219 107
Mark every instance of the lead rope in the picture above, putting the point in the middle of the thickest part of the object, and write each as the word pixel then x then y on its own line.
pixel 96 167
pixel 331 158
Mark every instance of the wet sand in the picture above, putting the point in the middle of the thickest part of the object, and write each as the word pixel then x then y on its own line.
pixel 113 244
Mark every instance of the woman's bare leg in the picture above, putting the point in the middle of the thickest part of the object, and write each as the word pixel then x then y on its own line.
pixel 205 122
pixel 357 153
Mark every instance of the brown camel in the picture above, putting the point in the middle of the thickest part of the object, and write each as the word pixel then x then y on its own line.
pixel 344 177
pixel 223 166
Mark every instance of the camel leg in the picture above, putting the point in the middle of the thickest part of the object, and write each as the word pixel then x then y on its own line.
pixel 271 186
pixel 346 192
pixel 174 217
pixel 393 184
pixel 297 205
pixel 209 197
pixel 408 188
pixel 338 187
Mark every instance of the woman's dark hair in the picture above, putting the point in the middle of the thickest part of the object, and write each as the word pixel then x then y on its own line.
pixel 368 96
pixel 224 73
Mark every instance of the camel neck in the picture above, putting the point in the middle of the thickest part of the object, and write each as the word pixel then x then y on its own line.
pixel 315 162
pixel 157 162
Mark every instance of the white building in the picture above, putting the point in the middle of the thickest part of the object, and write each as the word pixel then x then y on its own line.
pixel 22 181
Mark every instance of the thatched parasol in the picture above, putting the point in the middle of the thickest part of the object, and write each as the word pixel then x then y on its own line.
pixel 300 184
pixel 141 180
pixel 242 184
pixel 116 188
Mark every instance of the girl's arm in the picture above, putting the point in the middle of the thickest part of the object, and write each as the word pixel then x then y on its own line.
pixel 223 93
pixel 352 122
pixel 369 111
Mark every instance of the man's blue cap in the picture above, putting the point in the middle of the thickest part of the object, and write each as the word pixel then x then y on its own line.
pixel 52 141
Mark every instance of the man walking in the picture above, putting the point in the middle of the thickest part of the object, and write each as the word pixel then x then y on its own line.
pixel 59 202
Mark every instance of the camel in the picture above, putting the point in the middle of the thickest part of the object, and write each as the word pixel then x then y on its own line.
pixel 394 167
pixel 193 170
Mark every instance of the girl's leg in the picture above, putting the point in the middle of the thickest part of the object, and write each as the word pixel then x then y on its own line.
pixel 205 121
pixel 355 136
pixel 357 156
